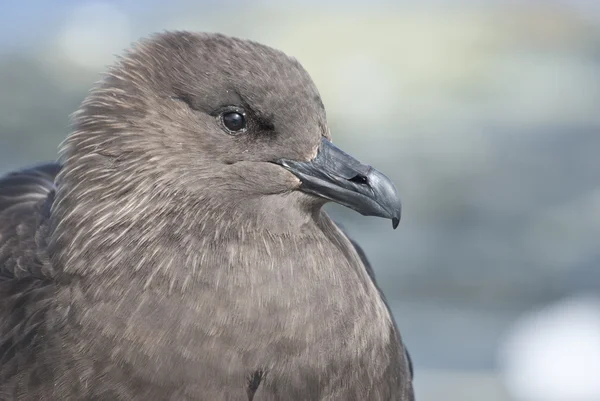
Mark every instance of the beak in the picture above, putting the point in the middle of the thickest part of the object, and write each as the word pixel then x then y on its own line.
pixel 338 177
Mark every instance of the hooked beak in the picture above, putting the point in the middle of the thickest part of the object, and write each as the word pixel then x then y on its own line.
pixel 338 177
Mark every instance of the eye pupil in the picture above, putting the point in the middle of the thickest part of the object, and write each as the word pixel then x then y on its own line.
pixel 234 121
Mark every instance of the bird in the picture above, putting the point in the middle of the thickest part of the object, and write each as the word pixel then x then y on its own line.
pixel 178 248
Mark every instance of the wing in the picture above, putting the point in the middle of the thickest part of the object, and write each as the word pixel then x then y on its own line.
pixel 371 273
pixel 25 198
pixel 25 290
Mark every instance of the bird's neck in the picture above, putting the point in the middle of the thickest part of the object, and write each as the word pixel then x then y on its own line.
pixel 137 233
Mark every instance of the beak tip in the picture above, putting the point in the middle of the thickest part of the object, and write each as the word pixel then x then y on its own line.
pixel 395 222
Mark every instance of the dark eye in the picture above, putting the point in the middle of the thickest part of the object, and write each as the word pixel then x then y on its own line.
pixel 234 121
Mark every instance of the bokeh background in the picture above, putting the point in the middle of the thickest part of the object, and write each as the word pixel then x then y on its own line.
pixel 485 113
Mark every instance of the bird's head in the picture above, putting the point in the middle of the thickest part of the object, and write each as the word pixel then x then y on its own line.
pixel 213 118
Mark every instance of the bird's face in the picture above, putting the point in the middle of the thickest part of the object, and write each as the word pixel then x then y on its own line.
pixel 208 113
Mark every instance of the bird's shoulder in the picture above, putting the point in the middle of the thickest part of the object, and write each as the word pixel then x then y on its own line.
pixel 25 276
pixel 25 199
pixel 369 268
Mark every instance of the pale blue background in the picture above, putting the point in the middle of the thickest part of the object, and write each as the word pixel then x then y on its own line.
pixel 485 114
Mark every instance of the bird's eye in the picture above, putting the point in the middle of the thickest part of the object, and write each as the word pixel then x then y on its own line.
pixel 234 121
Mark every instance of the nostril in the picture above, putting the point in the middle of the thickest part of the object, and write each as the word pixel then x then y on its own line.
pixel 359 179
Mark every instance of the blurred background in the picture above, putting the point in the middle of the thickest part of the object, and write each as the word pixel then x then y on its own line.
pixel 486 115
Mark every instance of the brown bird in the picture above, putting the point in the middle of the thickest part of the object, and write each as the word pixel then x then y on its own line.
pixel 179 250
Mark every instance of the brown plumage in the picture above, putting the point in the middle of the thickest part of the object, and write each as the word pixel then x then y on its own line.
pixel 173 255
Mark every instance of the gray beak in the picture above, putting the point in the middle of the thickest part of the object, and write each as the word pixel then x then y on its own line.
pixel 340 178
